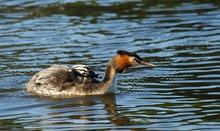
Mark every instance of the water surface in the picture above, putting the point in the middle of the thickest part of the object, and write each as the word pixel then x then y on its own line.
pixel 181 37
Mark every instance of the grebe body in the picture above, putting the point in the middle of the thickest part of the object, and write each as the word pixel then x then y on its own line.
pixel 62 80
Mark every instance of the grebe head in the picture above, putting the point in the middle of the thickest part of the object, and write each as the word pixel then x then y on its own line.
pixel 125 59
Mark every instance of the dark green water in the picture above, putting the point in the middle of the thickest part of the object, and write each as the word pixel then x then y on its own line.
pixel 182 37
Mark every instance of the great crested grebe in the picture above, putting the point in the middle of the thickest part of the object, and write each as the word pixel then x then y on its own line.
pixel 80 79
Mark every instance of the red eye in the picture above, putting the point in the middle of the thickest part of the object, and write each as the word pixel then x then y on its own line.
pixel 137 60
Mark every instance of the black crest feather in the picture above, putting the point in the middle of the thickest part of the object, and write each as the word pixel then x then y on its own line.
pixel 124 52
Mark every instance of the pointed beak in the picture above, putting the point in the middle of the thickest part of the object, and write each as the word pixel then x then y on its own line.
pixel 147 64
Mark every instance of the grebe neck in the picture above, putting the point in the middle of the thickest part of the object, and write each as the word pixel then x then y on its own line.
pixel 108 84
pixel 110 74
pixel 109 81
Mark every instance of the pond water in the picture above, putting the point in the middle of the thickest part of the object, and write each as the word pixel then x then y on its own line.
pixel 182 37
